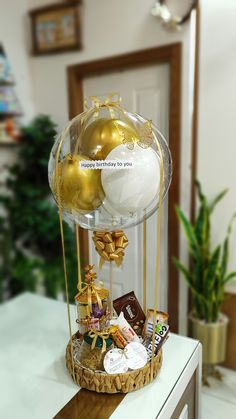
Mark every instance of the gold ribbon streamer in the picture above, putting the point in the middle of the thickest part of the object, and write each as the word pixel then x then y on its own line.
pixel 94 334
pixel 145 265
pixel 110 246
pixel 157 250
pixel 111 290
pixel 63 252
pixel 90 288
pixel 78 256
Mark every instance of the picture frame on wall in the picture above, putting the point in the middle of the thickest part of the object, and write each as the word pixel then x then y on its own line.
pixel 55 28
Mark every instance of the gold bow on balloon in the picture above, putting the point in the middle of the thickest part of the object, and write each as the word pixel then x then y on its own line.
pixel 93 104
pixel 110 246
pixel 94 334
pixel 90 288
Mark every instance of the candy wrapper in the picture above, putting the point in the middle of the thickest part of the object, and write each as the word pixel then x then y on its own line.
pixel 133 313
pixel 160 317
pixel 117 337
pixel 126 330
pixel 161 334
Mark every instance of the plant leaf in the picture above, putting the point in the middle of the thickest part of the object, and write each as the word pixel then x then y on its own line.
pixel 184 271
pixel 225 254
pixel 200 225
pixel 189 233
pixel 212 272
pixel 217 199
pixel 229 276
pixel 201 196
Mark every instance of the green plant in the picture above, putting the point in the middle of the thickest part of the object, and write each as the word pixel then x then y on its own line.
pixel 30 245
pixel 207 275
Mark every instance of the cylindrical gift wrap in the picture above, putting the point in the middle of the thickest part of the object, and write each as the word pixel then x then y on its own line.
pixel 94 298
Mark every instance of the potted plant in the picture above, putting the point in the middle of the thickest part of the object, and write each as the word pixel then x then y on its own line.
pixel 206 278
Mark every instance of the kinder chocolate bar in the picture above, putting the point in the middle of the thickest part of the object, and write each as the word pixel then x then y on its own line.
pixel 161 334
pixel 126 330
pixel 117 336
pixel 160 317
pixel 133 313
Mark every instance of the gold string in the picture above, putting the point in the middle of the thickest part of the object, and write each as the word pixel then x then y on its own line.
pixel 63 253
pixel 145 265
pixel 157 252
pixel 111 291
pixel 78 257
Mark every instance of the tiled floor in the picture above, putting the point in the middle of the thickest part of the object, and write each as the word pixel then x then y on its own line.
pixel 219 400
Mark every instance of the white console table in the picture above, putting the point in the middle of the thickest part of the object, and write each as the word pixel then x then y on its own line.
pixel 34 382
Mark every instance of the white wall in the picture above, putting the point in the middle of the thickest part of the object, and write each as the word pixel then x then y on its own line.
pixel 111 27
pixel 12 35
pixel 217 111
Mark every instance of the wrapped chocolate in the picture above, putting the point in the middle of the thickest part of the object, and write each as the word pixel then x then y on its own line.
pixel 133 313
pixel 117 337
pixel 161 333
pixel 148 325
pixel 126 330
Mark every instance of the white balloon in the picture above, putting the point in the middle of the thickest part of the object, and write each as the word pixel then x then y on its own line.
pixel 133 189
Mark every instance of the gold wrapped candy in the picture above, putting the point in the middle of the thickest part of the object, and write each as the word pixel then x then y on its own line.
pixel 110 246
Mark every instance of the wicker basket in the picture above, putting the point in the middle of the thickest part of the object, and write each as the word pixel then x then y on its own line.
pixel 101 382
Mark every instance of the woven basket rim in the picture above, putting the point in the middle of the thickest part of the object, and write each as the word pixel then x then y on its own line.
pixel 76 362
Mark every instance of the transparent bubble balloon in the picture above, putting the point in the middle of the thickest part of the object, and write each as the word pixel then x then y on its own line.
pixel 105 169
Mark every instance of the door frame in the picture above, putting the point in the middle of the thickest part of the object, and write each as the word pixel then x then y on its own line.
pixel 171 55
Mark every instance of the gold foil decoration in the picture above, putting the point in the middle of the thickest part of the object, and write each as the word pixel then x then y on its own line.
pixel 144 137
pixel 110 246
pixel 91 292
pixel 94 334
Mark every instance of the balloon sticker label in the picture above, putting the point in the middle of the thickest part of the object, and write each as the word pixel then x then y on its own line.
pixel 106 164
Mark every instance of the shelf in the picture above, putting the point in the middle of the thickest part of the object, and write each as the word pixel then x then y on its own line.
pixel 8 143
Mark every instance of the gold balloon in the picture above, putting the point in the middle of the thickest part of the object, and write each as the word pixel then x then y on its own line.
pixel 102 135
pixel 80 189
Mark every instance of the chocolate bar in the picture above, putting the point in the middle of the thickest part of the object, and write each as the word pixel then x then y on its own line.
pixel 132 310
pixel 161 334
pixel 160 317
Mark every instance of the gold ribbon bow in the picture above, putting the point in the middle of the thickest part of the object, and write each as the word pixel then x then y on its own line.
pixel 93 104
pixel 90 288
pixel 110 246
pixel 94 334
pixel 113 100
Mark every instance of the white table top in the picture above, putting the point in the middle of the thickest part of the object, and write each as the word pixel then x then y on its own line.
pixel 34 382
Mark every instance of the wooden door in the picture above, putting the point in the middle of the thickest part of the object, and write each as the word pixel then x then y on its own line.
pixel 146 91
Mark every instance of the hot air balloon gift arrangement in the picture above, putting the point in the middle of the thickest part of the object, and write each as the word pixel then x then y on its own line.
pixel 109 170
